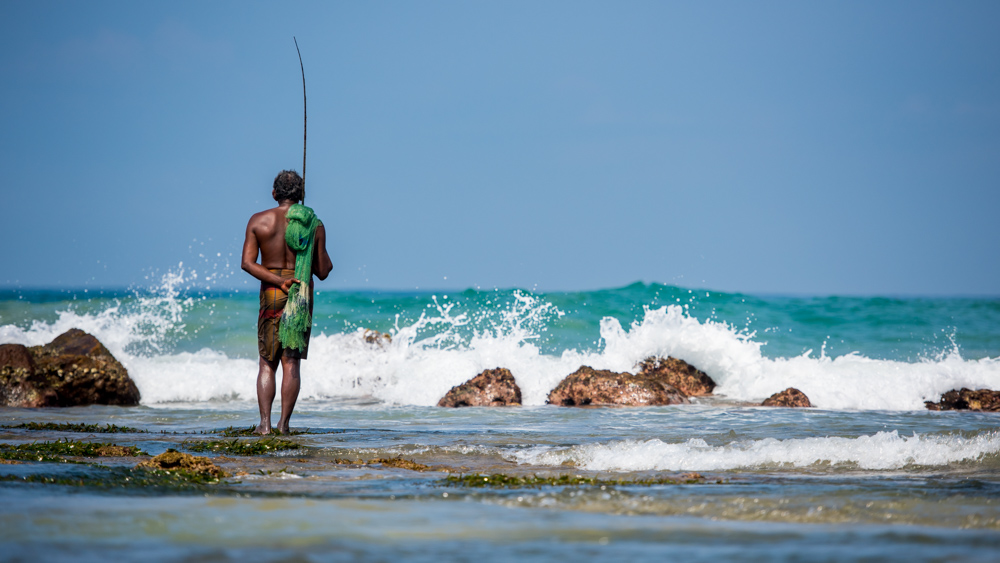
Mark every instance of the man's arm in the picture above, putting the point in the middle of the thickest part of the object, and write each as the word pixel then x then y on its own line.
pixel 251 248
pixel 322 265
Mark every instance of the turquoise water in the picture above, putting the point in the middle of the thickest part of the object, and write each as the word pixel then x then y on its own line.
pixel 867 474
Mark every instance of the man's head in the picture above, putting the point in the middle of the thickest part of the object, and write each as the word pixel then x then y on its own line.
pixel 288 185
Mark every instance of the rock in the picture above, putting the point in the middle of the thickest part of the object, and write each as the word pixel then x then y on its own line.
pixel 16 367
pixel 492 388
pixel 376 337
pixel 16 357
pixel 173 460
pixel 74 369
pixel 791 397
pixel 966 399
pixel 686 378
pixel 589 386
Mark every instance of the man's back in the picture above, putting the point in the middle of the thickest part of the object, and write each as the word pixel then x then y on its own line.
pixel 268 227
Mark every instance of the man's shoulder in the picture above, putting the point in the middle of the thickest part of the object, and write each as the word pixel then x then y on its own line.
pixel 267 215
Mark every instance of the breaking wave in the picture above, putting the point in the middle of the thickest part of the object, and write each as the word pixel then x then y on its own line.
pixel 881 451
pixel 443 348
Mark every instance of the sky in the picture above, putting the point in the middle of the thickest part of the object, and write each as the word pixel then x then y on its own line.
pixel 759 147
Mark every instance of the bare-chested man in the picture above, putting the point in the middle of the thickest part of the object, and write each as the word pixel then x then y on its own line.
pixel 276 270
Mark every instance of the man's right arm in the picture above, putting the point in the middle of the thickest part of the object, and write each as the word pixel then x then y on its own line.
pixel 322 265
pixel 251 248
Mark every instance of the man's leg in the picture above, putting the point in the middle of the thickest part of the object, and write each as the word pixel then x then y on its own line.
pixel 265 394
pixel 289 390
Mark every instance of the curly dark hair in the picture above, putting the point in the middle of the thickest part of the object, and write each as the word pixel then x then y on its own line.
pixel 288 185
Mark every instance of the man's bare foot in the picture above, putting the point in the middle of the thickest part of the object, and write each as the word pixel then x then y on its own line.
pixel 284 429
pixel 262 430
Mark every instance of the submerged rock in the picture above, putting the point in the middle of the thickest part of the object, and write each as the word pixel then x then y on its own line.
pixel 966 399
pixel 686 378
pixel 492 388
pixel 74 369
pixel 173 460
pixel 591 387
pixel 791 397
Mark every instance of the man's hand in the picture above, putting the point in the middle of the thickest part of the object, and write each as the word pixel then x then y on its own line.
pixel 287 284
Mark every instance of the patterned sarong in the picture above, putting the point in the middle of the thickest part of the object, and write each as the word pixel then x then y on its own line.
pixel 272 303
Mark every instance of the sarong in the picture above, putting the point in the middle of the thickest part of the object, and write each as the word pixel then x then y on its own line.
pixel 272 303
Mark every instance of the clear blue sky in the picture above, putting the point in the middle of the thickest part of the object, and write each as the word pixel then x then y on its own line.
pixel 794 147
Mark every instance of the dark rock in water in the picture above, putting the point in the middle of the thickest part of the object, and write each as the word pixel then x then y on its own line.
pixel 492 388
pixel 74 369
pixel 591 387
pixel 173 460
pixel 967 399
pixel 686 378
pixel 791 397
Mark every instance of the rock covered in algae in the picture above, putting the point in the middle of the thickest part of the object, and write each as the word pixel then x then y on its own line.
pixel 385 462
pixel 173 460
pixel 985 400
pixel 74 369
pixel 492 388
pixel 686 378
pixel 113 450
pixel 591 387
pixel 791 397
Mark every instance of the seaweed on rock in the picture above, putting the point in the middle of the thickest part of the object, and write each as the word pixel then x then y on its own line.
pixel 59 450
pixel 502 481
pixel 241 447
pixel 77 427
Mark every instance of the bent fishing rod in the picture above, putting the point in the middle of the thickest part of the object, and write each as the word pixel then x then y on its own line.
pixel 305 119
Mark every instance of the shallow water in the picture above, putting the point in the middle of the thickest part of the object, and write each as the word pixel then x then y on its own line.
pixel 823 486
pixel 869 474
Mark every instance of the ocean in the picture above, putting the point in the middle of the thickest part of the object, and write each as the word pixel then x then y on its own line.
pixel 867 474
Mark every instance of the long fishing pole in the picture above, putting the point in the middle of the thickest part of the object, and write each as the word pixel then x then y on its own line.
pixel 305 119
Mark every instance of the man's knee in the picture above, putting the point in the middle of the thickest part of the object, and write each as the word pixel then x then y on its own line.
pixel 289 356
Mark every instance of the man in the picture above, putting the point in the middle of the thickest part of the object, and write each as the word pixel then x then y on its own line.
pixel 276 271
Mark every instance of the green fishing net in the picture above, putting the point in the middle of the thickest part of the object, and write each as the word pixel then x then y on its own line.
pixel 300 235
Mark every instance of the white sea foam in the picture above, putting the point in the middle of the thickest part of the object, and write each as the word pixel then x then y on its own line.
pixel 427 357
pixel 882 451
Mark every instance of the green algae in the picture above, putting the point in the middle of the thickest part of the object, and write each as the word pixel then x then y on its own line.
pixel 59 450
pixel 234 432
pixel 13 456
pixel 76 427
pixel 241 447
pixel 153 480
pixel 502 481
